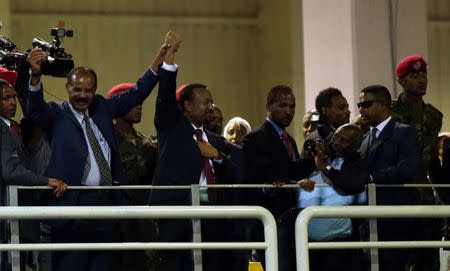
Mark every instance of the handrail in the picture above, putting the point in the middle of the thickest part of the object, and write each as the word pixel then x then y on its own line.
pixel 301 227
pixel 161 212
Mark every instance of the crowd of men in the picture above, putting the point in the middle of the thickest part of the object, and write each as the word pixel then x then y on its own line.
pixel 90 140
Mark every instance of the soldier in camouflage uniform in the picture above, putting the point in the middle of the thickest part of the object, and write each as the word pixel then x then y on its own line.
pixel 411 109
pixel 138 156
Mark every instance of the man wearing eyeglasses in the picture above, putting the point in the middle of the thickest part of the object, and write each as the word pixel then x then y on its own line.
pixel 411 109
pixel 393 156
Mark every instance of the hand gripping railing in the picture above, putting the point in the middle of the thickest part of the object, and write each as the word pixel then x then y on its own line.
pixel 301 227
pixel 145 212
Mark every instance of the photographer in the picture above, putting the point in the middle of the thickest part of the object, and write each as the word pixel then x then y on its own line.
pixel 352 175
pixel 347 173
pixel 333 112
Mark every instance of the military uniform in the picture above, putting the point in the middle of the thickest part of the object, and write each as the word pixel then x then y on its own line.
pixel 427 123
pixel 138 158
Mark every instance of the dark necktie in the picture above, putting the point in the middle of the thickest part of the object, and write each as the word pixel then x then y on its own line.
pixel 373 136
pixel 15 130
pixel 287 144
pixel 207 168
pixel 103 167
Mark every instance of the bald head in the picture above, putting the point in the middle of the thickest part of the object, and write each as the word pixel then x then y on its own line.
pixel 347 139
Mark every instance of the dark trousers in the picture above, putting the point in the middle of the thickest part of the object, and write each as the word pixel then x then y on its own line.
pixel 84 260
pixel 87 231
pixel 175 230
pixel 395 230
pixel 338 259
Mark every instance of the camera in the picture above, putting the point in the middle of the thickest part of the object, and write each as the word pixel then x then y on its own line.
pixel 58 62
pixel 8 56
pixel 325 132
pixel 310 145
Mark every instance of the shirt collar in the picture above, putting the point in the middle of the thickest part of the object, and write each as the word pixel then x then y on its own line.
pixel 277 128
pixel 383 124
pixel 78 115
pixel 195 127
pixel 7 121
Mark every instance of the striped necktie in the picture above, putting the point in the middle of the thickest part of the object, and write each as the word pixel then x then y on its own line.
pixel 103 167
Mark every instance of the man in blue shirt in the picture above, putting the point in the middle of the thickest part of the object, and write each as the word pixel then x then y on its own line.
pixel 341 168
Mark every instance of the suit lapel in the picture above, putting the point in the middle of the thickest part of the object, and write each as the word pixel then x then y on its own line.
pixel 70 114
pixel 385 134
pixel 364 149
pixel 275 141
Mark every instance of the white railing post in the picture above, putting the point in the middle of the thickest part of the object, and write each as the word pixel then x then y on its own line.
pixel 13 200
pixel 373 227
pixel 301 239
pixel 301 227
pixel 147 212
pixel 196 229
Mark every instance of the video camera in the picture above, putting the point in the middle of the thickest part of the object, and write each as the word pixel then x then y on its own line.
pixel 325 132
pixel 58 62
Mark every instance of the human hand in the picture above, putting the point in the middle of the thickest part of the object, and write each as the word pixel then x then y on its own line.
pixel 35 58
pixel 320 155
pixel 306 184
pixel 172 42
pixel 208 151
pixel 59 187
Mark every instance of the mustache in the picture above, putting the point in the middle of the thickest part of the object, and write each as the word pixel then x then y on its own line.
pixel 81 100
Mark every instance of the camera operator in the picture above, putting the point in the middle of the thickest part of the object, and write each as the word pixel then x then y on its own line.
pixel 352 175
pixel 347 173
pixel 333 112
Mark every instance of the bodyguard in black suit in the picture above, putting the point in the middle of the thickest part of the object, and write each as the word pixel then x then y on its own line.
pixel 271 157
pixel 392 152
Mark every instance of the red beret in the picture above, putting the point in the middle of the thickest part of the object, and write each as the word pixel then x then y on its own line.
pixel 412 63
pixel 10 76
pixel 119 89
pixel 179 91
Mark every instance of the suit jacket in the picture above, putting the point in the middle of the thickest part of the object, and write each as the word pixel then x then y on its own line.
pixel 67 141
pixel 179 159
pixel 266 160
pixel 15 170
pixel 69 147
pixel 15 163
pixel 393 159
pixel 353 176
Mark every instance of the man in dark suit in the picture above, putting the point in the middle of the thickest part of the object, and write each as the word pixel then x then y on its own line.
pixel 85 151
pixel 393 156
pixel 271 157
pixel 188 154
pixel 15 163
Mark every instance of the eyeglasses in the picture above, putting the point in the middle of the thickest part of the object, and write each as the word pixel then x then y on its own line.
pixel 366 104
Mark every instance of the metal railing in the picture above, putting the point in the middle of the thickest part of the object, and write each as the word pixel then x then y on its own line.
pixel 301 227
pixel 195 194
pixel 13 200
pixel 143 212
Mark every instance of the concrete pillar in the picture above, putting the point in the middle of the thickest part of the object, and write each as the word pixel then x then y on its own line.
pixel 350 44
